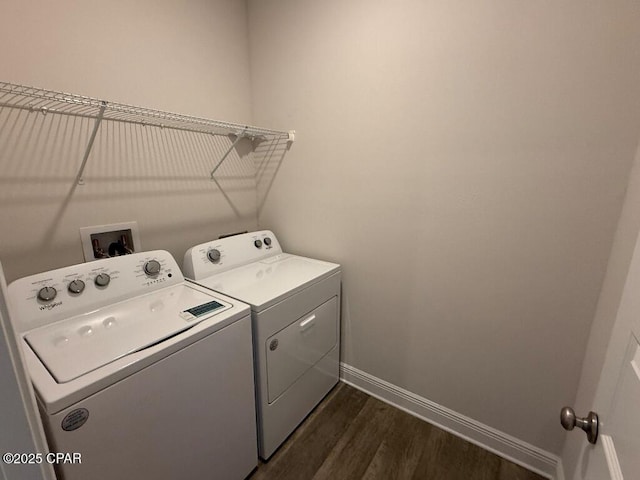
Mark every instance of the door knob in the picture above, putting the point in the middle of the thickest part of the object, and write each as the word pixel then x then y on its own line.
pixel 589 424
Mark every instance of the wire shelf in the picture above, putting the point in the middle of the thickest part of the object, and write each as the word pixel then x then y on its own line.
pixel 46 102
pixel 49 101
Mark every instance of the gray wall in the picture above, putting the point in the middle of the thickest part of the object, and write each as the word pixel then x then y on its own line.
pixel 185 57
pixel 466 162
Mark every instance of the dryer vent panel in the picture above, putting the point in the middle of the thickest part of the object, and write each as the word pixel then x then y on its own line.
pixel 104 241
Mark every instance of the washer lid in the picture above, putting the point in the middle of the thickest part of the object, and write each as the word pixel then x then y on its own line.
pixel 74 347
pixel 268 281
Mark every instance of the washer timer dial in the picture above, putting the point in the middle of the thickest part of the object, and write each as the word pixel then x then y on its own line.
pixel 152 268
pixel 46 294
pixel 102 280
pixel 213 255
pixel 76 286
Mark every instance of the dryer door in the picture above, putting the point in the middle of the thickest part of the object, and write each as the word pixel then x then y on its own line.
pixel 298 347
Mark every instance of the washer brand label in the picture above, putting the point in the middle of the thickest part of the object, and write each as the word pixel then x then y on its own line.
pixel 50 306
pixel 75 419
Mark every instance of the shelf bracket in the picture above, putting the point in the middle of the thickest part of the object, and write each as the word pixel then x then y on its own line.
pixel 239 137
pixel 92 138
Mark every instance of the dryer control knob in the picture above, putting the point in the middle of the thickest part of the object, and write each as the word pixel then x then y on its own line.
pixel 102 280
pixel 213 255
pixel 258 243
pixel 76 286
pixel 267 241
pixel 46 294
pixel 152 267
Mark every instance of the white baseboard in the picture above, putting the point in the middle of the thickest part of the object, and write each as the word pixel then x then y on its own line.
pixel 506 446
pixel 560 470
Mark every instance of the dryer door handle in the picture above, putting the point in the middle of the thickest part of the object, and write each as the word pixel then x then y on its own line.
pixel 307 323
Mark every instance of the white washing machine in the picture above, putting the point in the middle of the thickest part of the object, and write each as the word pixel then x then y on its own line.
pixel 143 374
pixel 295 310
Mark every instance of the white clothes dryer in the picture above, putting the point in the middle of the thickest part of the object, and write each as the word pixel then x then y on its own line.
pixel 295 311
pixel 137 372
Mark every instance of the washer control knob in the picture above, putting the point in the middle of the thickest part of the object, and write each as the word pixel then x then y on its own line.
pixel 102 280
pixel 46 294
pixel 267 241
pixel 258 243
pixel 76 286
pixel 152 268
pixel 213 255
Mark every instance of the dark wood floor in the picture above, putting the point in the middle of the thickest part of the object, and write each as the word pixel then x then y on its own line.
pixel 353 436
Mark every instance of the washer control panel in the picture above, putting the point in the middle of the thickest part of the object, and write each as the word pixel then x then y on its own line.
pixel 47 297
pixel 226 253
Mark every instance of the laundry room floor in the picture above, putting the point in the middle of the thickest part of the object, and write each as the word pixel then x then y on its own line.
pixel 352 435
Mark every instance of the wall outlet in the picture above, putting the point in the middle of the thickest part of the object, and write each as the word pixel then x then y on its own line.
pixel 103 241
